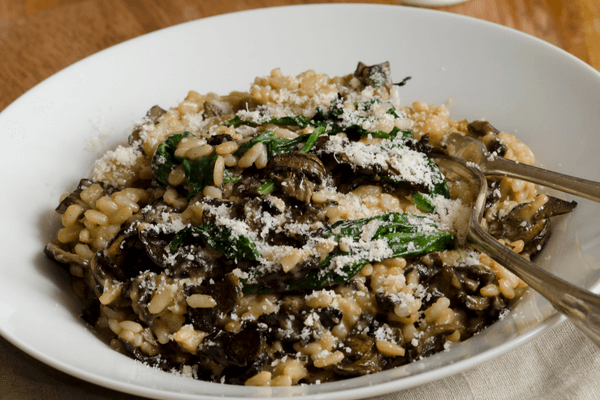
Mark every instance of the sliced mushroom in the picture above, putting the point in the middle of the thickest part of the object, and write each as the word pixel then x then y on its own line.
pixel 533 227
pixel 225 294
pixel 152 115
pixel 117 262
pixel 54 252
pixel 75 196
pixel 159 361
pixel 249 184
pixel 279 281
pixel 483 129
pixel 363 357
pixel 297 174
pixel 239 349
pixel 374 75
pixel 432 341
pixel 192 260
pixel 216 108
pixel 218 139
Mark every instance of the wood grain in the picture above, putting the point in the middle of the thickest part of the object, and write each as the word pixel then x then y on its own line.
pixel 40 37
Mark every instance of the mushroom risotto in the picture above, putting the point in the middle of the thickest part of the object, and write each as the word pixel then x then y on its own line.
pixel 297 233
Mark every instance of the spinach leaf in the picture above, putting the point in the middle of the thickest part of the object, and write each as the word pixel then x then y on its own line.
pixel 220 238
pixel 267 188
pixel 423 202
pixel 274 144
pixel 405 234
pixel 277 145
pixel 164 159
pixel 312 139
pixel 199 173
pixel 230 177
pixel 331 121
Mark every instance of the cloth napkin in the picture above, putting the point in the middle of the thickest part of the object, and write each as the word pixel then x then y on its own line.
pixel 560 364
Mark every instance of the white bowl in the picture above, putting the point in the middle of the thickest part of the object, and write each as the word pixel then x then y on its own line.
pixel 521 84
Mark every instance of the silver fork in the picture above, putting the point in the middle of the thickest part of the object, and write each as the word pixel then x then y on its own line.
pixel 581 306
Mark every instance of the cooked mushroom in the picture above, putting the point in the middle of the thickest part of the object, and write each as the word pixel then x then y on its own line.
pixel 249 184
pixel 119 261
pixel 155 362
pixel 75 196
pixel 432 341
pixel 61 256
pixel 216 108
pixel 218 139
pixel 483 129
pixel 533 227
pixel 225 293
pixel 298 175
pixel 363 357
pixel 239 349
pixel 374 75
pixel 152 115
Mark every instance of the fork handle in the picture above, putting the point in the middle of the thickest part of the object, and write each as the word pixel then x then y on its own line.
pixel 499 166
pixel 581 306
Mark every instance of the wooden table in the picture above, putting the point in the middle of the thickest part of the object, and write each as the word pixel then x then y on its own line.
pixel 41 37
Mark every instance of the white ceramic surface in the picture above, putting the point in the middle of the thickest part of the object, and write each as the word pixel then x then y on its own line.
pixel 521 84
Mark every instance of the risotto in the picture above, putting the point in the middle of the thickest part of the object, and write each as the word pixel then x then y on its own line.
pixel 296 233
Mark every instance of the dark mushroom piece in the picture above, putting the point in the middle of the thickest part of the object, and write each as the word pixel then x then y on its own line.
pixel 75 196
pixel 249 184
pixel 218 139
pixel 289 326
pixel 152 361
pixel 363 357
pixel 532 227
pixel 298 175
pixel 54 252
pixel 374 75
pixel 226 294
pixel 483 129
pixel 215 108
pixel 432 341
pixel 152 115
pixel 191 260
pixel 239 349
pixel 279 281
pixel 107 264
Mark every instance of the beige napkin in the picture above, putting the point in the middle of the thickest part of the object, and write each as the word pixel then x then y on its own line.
pixel 561 364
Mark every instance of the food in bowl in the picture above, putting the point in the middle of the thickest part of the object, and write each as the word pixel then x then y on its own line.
pixel 296 233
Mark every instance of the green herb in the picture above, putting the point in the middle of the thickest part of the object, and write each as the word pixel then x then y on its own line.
pixel 220 238
pixel 331 122
pixel 267 188
pixel 199 173
pixel 405 234
pixel 164 160
pixel 230 177
pixel 312 139
pixel 274 144
pixel 277 145
pixel 423 202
